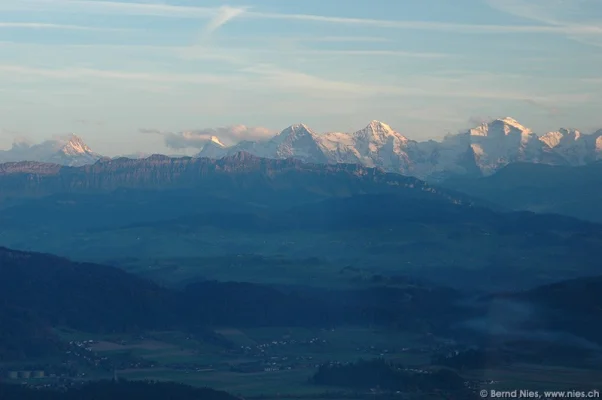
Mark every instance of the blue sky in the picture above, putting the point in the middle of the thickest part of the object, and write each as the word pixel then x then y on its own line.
pixel 107 70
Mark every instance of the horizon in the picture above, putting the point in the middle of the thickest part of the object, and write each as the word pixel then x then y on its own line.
pixel 121 74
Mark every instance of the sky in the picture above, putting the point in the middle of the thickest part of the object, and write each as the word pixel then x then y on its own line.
pixel 155 76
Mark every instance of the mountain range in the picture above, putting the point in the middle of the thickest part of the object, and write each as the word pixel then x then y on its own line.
pixel 475 152
pixel 479 151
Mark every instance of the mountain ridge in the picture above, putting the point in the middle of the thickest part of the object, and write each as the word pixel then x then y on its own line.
pixel 242 171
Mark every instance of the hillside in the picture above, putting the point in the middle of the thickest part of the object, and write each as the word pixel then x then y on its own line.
pixel 82 295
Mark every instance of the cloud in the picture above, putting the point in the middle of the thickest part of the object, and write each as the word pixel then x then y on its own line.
pixel 551 110
pixel 394 53
pixel 477 120
pixel 571 18
pixel 85 73
pixel 38 25
pixel 198 138
pixel 266 76
pixel 111 7
pixel 150 130
pixel 199 52
pixel 90 122
pixel 224 14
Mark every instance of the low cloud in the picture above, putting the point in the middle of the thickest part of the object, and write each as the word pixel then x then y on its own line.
pixel 90 122
pixel 147 130
pixel 550 110
pixel 198 138
pixel 477 120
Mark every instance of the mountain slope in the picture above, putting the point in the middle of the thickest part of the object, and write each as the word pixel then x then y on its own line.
pixel 572 191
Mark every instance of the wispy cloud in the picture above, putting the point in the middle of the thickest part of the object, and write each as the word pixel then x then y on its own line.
pixel 111 7
pixel 79 73
pixel 571 18
pixel 224 15
pixel 235 54
pixel 38 25
pixel 218 14
pixel 199 137
pixel 270 77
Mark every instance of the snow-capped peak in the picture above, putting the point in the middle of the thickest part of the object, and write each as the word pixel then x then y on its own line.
pixel 65 150
pixel 215 140
pixel 513 123
pixel 377 133
pixel 74 145
pixel 297 129
pixel 499 127
pixel 379 126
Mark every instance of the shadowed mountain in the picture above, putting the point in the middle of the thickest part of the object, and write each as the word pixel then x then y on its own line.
pixel 572 191
pixel 124 191
pixel 253 178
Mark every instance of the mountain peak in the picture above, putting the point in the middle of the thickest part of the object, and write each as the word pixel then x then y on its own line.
pixel 379 132
pixel 74 145
pixel 297 130
pixel 499 127
pixel 512 122
pixel 298 127
pixel 374 124
pixel 215 140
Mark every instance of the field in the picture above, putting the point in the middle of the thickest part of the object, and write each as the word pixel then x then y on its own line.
pixel 268 361
pixel 277 362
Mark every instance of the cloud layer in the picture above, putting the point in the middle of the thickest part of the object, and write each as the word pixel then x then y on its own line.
pixel 198 138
